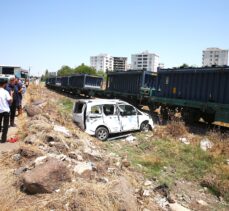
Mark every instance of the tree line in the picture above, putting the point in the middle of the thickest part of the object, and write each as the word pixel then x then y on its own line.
pixel 81 69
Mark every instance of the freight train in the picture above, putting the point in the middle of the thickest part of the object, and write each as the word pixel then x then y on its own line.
pixel 196 93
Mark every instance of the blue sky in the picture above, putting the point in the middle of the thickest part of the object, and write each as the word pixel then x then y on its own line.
pixel 47 34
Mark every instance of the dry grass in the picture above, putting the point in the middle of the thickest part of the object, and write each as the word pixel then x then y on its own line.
pixel 176 129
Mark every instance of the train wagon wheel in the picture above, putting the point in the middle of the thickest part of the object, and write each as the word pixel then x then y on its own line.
pixel 190 116
pixel 209 118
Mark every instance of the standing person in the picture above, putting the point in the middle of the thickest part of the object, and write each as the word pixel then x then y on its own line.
pixel 12 89
pixel 5 100
pixel 19 87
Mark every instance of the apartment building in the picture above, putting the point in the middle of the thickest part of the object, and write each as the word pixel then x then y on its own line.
pixel 214 56
pixel 145 61
pixel 120 63
pixel 102 62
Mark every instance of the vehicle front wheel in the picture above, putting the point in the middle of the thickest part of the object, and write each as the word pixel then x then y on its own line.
pixel 144 126
pixel 102 133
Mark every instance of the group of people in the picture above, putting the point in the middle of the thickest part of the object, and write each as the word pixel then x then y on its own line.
pixel 10 102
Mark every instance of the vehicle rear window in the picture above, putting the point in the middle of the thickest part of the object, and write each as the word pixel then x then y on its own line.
pixel 108 110
pixel 78 107
pixel 96 110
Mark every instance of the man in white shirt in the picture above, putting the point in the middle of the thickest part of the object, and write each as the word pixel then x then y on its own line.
pixel 5 100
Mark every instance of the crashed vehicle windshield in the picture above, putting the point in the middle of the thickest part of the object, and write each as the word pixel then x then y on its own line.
pixel 102 117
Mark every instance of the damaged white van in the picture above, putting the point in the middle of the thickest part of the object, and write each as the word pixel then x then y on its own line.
pixel 101 117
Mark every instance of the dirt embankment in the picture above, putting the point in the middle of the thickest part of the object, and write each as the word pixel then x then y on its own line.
pixel 59 167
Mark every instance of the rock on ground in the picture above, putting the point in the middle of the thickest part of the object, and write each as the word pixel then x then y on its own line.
pixel 125 193
pixel 46 177
pixel 32 110
pixel 177 207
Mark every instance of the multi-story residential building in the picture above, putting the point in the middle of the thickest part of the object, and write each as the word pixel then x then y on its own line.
pixel 120 63
pixel 102 62
pixel 145 61
pixel 129 67
pixel 214 56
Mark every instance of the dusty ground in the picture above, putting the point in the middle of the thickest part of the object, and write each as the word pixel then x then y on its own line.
pixel 126 175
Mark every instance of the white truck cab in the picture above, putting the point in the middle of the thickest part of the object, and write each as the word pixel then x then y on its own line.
pixel 101 117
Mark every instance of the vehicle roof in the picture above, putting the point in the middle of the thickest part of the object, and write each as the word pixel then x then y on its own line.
pixel 101 101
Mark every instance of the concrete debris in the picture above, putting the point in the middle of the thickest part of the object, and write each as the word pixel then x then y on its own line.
pixel 20 170
pixel 139 165
pixel 161 201
pixel 46 177
pixel 206 144
pixel 145 209
pixel 146 193
pixel 184 141
pixel 202 202
pixel 40 160
pixel 63 130
pixel 177 207
pixel 130 139
pixel 147 183
pixel 93 152
pixel 16 157
pixel 60 157
pixel 111 170
pixel 70 191
pixel 80 168
pixel 31 139
pixel 227 161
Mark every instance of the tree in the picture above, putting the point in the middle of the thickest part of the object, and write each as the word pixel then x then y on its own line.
pixel 184 65
pixel 101 73
pixel 45 76
pixel 84 69
pixel 65 71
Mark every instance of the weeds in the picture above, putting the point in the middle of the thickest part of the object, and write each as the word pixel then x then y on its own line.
pixel 66 105
pixel 163 156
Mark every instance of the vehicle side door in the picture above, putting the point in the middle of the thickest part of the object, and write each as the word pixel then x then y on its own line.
pixel 111 118
pixel 94 117
pixel 128 117
pixel 79 110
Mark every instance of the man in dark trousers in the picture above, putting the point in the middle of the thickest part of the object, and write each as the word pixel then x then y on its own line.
pixel 5 100
pixel 18 83
pixel 12 89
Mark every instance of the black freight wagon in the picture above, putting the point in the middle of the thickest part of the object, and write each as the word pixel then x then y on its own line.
pixel 85 81
pixel 85 84
pixel 64 81
pixel 58 81
pixel 131 81
pixel 133 85
pixel 199 92
pixel 51 81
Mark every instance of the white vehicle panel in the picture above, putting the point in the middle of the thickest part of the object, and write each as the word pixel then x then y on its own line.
pixel 117 116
